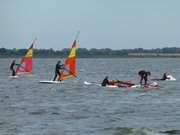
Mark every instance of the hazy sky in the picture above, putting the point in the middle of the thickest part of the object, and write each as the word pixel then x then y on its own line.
pixel 116 24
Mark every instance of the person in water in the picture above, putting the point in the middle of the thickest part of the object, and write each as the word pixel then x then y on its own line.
pixel 105 81
pixel 59 67
pixel 164 76
pixel 144 76
pixel 12 67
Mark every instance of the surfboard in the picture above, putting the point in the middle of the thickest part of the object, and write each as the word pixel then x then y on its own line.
pixel 149 85
pixel 91 83
pixel 112 86
pixel 171 78
pixel 14 77
pixel 51 82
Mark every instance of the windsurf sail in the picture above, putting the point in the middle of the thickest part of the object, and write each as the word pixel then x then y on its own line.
pixel 70 63
pixel 26 62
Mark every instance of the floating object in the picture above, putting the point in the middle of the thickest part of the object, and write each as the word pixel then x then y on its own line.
pixel 51 82
pixel 14 77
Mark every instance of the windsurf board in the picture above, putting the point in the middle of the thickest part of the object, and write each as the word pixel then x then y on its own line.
pixel 14 77
pixel 50 82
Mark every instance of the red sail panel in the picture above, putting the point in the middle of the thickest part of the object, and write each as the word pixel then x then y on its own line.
pixel 26 62
pixel 70 64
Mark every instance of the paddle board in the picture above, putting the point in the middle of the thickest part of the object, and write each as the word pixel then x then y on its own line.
pixel 171 78
pixel 149 85
pixel 91 83
pixel 50 82
pixel 14 77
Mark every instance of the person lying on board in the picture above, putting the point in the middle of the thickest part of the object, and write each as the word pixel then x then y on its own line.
pixel 144 76
pixel 165 77
pixel 105 81
pixel 58 67
pixel 116 83
pixel 13 63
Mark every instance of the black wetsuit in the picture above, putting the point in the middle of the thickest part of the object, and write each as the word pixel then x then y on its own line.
pixel 144 76
pixel 164 77
pixel 57 72
pixel 12 68
pixel 105 82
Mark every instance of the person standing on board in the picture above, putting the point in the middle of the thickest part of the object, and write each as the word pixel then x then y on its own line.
pixel 12 67
pixel 59 66
pixel 143 76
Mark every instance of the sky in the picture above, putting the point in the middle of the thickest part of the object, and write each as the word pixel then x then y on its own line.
pixel 115 24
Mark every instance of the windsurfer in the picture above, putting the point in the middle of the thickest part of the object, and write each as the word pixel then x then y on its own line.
pixel 105 81
pixel 144 76
pixel 13 63
pixel 59 66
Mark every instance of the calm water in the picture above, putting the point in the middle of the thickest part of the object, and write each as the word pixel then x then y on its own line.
pixel 72 108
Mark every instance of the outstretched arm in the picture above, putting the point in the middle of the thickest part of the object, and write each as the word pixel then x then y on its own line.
pixel 62 66
pixel 19 65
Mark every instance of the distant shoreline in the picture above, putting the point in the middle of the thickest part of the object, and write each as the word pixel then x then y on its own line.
pixel 168 52
pixel 100 57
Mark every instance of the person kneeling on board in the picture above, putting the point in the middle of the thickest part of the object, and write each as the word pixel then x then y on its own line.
pixel 12 67
pixel 59 67
pixel 144 76
pixel 165 77
pixel 105 81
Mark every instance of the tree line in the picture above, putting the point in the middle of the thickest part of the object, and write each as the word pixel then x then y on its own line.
pixel 84 52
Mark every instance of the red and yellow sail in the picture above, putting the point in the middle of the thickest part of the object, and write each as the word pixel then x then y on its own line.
pixel 70 64
pixel 26 62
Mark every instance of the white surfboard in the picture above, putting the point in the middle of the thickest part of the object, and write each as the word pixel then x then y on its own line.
pixel 111 86
pixel 14 77
pixel 50 82
pixel 91 83
pixel 171 78
pixel 87 83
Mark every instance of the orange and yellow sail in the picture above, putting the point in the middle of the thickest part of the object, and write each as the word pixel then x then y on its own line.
pixel 26 62
pixel 70 64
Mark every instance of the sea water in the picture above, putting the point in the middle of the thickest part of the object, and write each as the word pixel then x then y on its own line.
pixel 73 108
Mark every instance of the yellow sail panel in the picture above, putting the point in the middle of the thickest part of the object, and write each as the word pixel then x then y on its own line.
pixel 73 50
pixel 29 53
